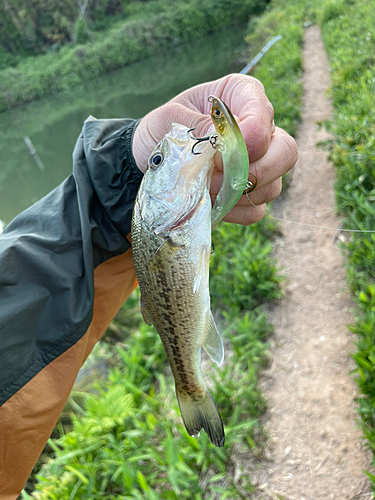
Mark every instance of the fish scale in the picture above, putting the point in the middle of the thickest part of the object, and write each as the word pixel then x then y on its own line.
pixel 171 285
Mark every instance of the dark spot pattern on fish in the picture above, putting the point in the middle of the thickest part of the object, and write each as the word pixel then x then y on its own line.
pixel 176 314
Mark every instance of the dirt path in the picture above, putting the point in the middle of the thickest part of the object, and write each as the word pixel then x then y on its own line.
pixel 315 445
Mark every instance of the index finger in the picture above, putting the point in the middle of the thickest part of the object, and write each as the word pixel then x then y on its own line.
pixel 245 97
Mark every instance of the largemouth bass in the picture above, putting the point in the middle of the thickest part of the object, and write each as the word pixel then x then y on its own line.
pixel 231 144
pixel 171 247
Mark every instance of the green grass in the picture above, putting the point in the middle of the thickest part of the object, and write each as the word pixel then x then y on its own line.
pixel 281 67
pixel 349 36
pixel 127 439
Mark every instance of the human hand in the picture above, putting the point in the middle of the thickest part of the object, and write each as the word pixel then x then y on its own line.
pixel 272 152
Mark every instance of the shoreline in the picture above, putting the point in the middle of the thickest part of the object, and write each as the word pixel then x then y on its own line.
pixel 129 42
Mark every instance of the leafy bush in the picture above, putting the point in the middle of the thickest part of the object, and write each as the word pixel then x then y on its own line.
pixel 81 31
pixel 244 274
pixel 7 59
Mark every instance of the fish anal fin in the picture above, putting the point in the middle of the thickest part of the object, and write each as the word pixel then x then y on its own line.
pixel 212 343
pixel 201 413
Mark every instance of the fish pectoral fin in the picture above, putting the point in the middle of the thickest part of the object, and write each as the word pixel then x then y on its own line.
pixel 145 314
pixel 201 413
pixel 203 268
pixel 212 343
pixel 164 255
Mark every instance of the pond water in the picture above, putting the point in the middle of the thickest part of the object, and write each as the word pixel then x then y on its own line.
pixel 53 124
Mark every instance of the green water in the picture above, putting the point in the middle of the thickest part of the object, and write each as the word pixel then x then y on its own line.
pixel 54 123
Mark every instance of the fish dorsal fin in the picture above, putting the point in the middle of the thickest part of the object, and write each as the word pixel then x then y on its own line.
pixel 164 255
pixel 145 314
pixel 212 343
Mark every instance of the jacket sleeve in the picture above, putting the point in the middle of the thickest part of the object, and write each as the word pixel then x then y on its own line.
pixel 65 270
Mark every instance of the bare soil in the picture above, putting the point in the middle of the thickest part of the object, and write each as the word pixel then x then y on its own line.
pixel 317 452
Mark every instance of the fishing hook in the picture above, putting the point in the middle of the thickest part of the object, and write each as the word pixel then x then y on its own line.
pixel 211 138
pixel 202 139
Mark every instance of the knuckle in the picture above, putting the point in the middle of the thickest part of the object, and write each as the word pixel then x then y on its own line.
pixel 248 82
pixel 268 193
pixel 248 85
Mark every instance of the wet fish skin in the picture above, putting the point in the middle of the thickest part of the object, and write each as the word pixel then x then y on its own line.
pixel 171 246
pixel 232 146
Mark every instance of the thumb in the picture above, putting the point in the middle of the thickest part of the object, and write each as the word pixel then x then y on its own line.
pixel 153 127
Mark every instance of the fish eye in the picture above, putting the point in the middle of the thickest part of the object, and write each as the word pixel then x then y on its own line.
pixel 217 112
pixel 156 159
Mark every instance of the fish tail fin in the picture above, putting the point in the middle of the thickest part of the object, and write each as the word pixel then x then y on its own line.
pixel 201 413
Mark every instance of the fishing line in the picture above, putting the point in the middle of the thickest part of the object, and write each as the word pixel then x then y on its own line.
pixel 310 225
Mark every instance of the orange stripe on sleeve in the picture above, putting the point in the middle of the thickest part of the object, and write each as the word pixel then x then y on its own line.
pixel 28 418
